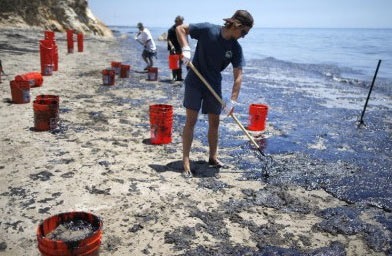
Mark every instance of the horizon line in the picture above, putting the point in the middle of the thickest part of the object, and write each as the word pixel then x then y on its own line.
pixel 278 27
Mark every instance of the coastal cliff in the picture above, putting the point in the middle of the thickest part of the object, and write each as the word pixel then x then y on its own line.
pixel 56 15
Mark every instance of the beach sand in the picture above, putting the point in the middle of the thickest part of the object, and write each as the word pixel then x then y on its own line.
pixel 100 161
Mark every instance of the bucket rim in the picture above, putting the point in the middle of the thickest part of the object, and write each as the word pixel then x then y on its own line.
pixel 161 105
pixel 258 105
pixel 161 108
pixel 45 102
pixel 42 237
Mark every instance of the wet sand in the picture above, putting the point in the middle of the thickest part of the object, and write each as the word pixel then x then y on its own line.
pixel 100 160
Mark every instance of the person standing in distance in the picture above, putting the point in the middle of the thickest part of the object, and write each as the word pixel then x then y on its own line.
pixel 150 50
pixel 173 46
pixel 217 47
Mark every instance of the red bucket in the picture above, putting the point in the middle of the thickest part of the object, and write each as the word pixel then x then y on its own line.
pixel 49 35
pixel 174 61
pixel 46 112
pixel 46 48
pixel 116 66
pixel 257 117
pixel 152 74
pixel 48 97
pixel 80 42
pixel 34 78
pixel 55 57
pixel 20 91
pixel 70 41
pixel 70 233
pixel 108 76
pixel 161 122
pixel 124 71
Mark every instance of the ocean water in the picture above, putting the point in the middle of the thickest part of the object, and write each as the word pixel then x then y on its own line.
pixel 351 53
pixel 354 52
pixel 315 82
pixel 342 55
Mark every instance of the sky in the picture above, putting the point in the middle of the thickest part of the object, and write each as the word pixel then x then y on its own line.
pixel 266 13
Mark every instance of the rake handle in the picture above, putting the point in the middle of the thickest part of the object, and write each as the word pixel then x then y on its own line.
pixel 218 98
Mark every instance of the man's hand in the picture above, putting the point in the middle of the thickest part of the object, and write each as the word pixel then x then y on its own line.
pixel 228 107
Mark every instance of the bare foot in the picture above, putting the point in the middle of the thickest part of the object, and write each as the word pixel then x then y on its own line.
pixel 187 174
pixel 187 169
pixel 216 163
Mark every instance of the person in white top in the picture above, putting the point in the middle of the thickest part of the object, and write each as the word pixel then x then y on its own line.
pixel 150 50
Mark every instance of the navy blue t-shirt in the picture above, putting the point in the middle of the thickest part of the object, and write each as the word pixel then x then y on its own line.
pixel 213 54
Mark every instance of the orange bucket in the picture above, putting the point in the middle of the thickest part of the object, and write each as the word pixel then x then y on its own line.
pixel 108 76
pixel 80 42
pixel 55 57
pixel 49 35
pixel 34 78
pixel 70 233
pixel 48 97
pixel 124 71
pixel 46 112
pixel 46 48
pixel 116 66
pixel 70 41
pixel 174 61
pixel 152 74
pixel 257 117
pixel 161 122
pixel 20 91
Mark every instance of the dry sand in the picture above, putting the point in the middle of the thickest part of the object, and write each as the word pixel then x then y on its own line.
pixel 100 161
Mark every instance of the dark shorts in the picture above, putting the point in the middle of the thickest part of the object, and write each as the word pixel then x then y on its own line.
pixel 197 96
pixel 148 54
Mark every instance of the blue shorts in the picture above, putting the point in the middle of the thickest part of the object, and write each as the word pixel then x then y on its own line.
pixel 198 96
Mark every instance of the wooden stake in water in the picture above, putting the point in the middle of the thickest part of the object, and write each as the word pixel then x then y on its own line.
pixel 1 70
pixel 370 91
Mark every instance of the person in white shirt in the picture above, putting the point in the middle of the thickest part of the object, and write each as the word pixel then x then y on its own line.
pixel 150 50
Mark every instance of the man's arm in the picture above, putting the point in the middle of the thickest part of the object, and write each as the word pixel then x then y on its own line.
pixel 237 74
pixel 182 32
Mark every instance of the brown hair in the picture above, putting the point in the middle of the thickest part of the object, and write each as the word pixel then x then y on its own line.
pixel 240 17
